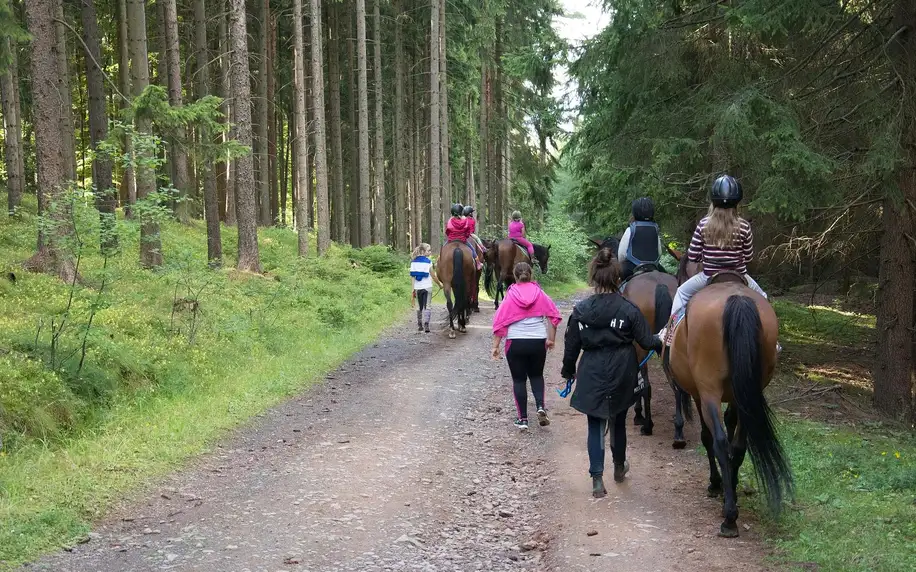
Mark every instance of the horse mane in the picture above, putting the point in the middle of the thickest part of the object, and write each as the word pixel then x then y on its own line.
pixel 539 250
pixel 682 269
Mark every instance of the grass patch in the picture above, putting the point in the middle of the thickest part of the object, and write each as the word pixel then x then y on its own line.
pixel 160 381
pixel 855 508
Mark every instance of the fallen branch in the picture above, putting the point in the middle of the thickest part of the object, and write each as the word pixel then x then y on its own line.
pixel 809 393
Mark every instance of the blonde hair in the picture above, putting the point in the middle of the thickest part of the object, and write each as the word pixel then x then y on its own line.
pixel 516 215
pixel 422 249
pixel 722 227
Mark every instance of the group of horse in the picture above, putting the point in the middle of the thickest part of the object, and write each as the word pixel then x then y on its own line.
pixel 722 351
pixel 461 280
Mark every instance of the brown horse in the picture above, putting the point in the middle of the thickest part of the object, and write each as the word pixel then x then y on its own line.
pixel 652 292
pixel 455 269
pixel 734 371
pixel 501 258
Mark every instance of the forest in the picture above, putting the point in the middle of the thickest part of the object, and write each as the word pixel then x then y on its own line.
pixel 210 205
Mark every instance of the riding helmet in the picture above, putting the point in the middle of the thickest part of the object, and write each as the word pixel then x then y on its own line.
pixel 726 192
pixel 468 210
pixel 457 209
pixel 643 209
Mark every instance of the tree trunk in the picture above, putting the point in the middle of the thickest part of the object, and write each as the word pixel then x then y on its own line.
pixel 202 87
pixel 51 164
pixel 443 111
pixel 20 114
pixel 301 132
pixel 365 213
pixel 352 135
pixel 228 166
pixel 401 161
pixel 150 243
pixel 262 120
pixel 12 133
pixel 128 182
pixel 336 175
pixel 272 123
pixel 321 161
pixel 178 157
pixel 435 141
pixel 484 213
pixel 105 199
pixel 497 188
pixel 63 76
pixel 894 375
pixel 470 194
pixel 381 206
pixel 245 195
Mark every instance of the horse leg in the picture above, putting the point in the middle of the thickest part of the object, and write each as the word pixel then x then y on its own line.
pixel 715 480
pixel 679 441
pixel 647 425
pixel 721 446
pixel 738 441
pixel 451 312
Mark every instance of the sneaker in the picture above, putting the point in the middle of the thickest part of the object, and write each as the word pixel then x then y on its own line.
pixel 621 470
pixel 543 420
pixel 598 490
pixel 778 347
pixel 522 424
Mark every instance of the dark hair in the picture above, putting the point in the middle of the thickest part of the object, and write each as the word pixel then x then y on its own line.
pixel 604 271
pixel 522 272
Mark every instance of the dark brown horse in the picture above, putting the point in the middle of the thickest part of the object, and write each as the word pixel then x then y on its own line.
pixel 652 292
pixel 501 258
pixel 455 269
pixel 734 371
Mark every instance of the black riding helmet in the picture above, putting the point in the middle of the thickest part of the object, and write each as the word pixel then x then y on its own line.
pixel 643 209
pixel 468 210
pixel 457 209
pixel 726 192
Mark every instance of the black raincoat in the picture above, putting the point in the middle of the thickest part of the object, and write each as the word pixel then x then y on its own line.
pixel 603 327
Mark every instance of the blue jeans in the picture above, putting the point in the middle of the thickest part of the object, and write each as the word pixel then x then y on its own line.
pixel 596 429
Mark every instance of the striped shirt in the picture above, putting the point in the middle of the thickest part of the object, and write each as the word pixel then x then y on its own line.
pixel 714 258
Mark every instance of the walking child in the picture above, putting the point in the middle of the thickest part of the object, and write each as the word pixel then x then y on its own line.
pixel 422 276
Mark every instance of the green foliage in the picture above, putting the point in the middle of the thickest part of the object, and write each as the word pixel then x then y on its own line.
pixel 173 359
pixel 798 99
pixel 569 251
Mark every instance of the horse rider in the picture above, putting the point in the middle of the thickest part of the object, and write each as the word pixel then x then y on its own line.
pixel 641 242
pixel 722 241
pixel 459 228
pixel 468 213
pixel 517 233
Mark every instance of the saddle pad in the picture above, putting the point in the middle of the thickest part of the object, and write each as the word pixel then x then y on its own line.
pixel 522 248
pixel 673 324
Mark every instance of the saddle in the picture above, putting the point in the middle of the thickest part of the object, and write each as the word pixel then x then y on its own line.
pixel 643 268
pixel 727 277
pixel 520 247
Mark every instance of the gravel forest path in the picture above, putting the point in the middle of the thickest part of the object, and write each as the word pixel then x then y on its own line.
pixel 405 458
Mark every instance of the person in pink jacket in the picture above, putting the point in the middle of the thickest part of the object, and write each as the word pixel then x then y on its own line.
pixel 517 232
pixel 528 320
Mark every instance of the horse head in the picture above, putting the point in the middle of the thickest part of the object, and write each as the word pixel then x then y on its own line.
pixel 542 255
pixel 611 242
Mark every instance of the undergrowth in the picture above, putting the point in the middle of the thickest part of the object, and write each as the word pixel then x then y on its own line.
pixel 855 506
pixel 172 359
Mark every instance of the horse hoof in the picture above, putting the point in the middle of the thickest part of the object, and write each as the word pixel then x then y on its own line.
pixel 646 431
pixel 451 334
pixel 679 444
pixel 639 420
pixel 728 530
pixel 712 491
pixel 463 330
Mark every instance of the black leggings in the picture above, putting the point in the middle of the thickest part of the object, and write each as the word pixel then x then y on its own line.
pixel 423 298
pixel 526 361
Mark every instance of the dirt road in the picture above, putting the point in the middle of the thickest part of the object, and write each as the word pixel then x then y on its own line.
pixel 406 459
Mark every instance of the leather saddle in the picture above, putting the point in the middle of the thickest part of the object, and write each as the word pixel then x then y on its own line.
pixel 727 277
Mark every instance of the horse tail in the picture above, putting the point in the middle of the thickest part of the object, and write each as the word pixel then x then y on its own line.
pixel 663 303
pixel 488 283
pixel 741 333
pixel 459 287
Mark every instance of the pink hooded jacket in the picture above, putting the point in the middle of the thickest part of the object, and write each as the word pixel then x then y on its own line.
pixel 524 300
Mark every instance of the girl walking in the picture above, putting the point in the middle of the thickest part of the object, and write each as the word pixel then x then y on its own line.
pixel 603 328
pixel 527 319
pixel 422 276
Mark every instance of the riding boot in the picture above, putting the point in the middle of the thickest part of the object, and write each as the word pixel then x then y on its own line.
pixel 427 314
pixel 419 320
